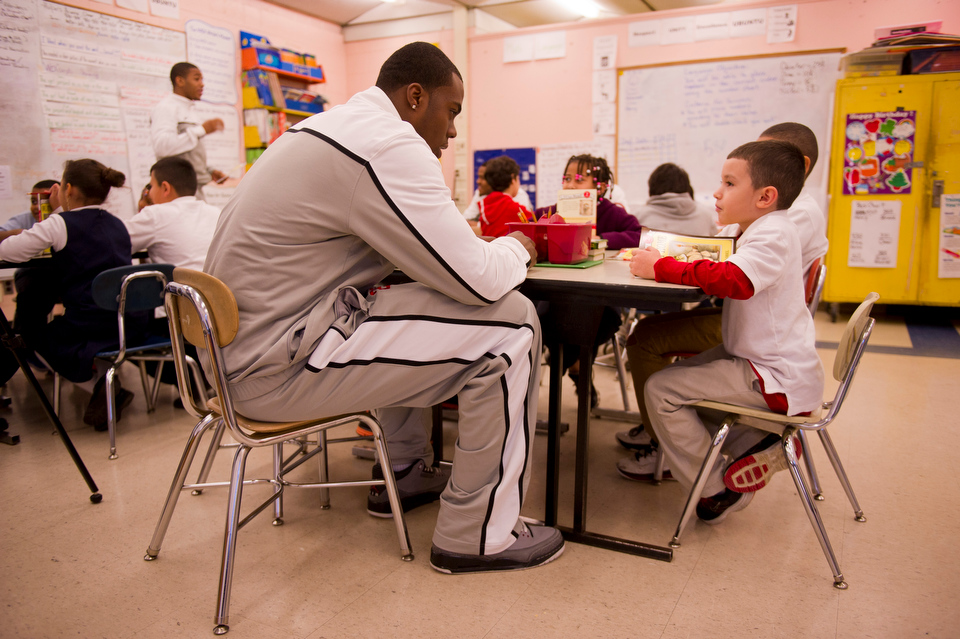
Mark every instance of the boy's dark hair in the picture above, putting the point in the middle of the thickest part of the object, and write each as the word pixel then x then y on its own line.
pixel 180 70
pixel 595 167
pixel 44 185
pixel 91 178
pixel 177 172
pixel 774 163
pixel 669 178
pixel 500 171
pixel 417 62
pixel 797 134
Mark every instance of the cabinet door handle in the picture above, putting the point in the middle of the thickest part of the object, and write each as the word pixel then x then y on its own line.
pixel 936 193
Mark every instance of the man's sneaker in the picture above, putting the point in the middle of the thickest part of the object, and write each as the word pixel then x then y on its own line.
pixel 713 510
pixel 363 431
pixel 535 545
pixel 418 485
pixel 637 438
pixel 754 470
pixel 641 465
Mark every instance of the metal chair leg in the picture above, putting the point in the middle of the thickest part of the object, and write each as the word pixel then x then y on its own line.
pixel 211 454
pixel 222 618
pixel 811 467
pixel 111 412
pixel 621 371
pixel 841 474
pixel 324 463
pixel 810 506
pixel 179 478
pixel 406 553
pixel 56 394
pixel 701 480
pixel 278 487
pixel 658 469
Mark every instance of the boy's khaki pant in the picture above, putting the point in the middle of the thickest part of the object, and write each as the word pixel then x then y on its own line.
pixel 684 432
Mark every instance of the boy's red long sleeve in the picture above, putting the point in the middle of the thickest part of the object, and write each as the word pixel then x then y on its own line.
pixel 723 279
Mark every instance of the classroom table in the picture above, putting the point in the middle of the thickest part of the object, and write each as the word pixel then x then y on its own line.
pixel 582 294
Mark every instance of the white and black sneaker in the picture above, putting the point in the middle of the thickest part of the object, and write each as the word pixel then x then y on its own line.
pixel 418 484
pixel 535 545
pixel 637 438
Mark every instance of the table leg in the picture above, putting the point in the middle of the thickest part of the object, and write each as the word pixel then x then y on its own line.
pixel 553 435
pixel 15 343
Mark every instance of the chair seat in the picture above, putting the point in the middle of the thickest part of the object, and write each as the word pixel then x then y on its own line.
pixel 256 426
pixel 758 413
pixel 152 344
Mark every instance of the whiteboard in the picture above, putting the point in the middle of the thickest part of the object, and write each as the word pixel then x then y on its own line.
pixel 694 114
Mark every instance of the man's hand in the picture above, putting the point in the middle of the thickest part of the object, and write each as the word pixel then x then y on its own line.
pixel 642 263
pixel 211 126
pixel 5 234
pixel 527 244
pixel 219 177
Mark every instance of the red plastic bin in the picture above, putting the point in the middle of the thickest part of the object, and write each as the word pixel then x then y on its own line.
pixel 536 232
pixel 568 243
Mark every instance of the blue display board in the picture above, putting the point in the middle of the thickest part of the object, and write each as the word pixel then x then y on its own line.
pixel 526 158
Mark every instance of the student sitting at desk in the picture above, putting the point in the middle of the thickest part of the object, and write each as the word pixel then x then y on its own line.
pixel 499 207
pixel 614 224
pixel 671 206
pixel 472 212
pixel 655 337
pixel 768 358
pixel 85 240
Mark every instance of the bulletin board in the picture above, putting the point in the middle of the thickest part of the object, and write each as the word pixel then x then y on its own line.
pixel 77 83
pixel 526 158
pixel 693 114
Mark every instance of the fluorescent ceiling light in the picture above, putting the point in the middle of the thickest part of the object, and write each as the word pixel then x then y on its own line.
pixel 586 8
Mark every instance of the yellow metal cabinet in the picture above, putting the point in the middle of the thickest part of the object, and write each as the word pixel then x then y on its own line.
pixel 899 171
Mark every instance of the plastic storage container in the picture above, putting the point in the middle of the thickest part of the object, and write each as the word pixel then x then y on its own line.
pixel 568 243
pixel 536 232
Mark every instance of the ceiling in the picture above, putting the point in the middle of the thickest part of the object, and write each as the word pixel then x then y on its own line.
pixel 514 13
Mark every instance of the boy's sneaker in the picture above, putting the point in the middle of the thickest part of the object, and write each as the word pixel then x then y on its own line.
pixel 418 484
pixel 535 545
pixel 637 438
pixel 754 470
pixel 713 510
pixel 641 466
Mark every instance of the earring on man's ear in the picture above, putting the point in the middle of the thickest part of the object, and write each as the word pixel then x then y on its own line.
pixel 413 106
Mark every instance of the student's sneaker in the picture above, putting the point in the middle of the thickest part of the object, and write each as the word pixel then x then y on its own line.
pixel 713 510
pixel 535 546
pixel 363 431
pixel 754 470
pixel 96 413
pixel 418 484
pixel 641 465
pixel 637 438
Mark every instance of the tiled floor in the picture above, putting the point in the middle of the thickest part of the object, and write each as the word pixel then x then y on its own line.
pixel 71 568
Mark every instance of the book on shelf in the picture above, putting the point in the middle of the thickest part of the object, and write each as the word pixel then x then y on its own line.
pixel 270 125
pixel 688 248
pixel 276 90
pixel 578 206
pixel 259 80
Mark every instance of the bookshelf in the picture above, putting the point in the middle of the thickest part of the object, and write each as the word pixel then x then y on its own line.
pixel 277 91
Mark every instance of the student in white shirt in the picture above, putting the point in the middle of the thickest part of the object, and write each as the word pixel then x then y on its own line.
pixel 175 128
pixel 176 229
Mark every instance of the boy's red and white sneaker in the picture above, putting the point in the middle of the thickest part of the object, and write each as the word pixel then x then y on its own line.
pixel 754 470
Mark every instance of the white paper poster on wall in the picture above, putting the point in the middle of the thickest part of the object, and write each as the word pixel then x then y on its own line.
pixel 165 8
pixel 751 22
pixel 605 52
pixel 6 183
pixel 948 256
pixel 605 86
pixel 213 50
pixel 782 23
pixel 550 45
pixel 644 34
pixel 712 26
pixel 518 49
pixel 874 233
pixel 605 118
pixel 143 6
pixel 677 30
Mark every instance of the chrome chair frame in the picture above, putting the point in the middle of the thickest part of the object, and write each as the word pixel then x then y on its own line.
pixel 850 350
pixel 220 414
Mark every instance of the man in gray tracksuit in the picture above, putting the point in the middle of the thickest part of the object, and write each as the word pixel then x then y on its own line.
pixel 331 208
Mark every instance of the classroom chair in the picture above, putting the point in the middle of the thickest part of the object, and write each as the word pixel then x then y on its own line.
pixel 203 311
pixel 849 351
pixel 130 289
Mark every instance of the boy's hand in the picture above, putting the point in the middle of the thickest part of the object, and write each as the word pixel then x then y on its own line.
pixel 642 263
pixel 213 125
pixel 527 244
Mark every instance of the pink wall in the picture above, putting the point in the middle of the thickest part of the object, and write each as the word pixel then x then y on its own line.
pixel 526 104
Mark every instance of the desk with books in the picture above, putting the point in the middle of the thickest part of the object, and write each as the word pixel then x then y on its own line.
pixel 583 293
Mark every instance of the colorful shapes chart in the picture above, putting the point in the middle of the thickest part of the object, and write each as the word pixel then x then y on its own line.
pixel 879 152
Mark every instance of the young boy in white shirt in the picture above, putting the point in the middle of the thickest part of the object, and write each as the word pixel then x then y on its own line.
pixel 177 228
pixel 768 357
